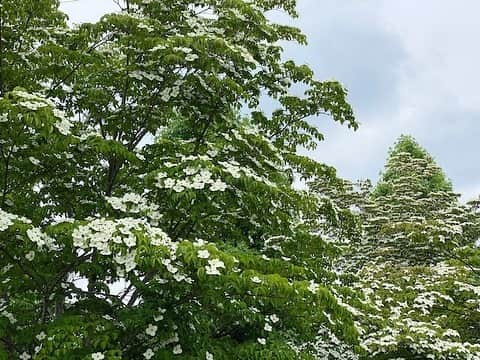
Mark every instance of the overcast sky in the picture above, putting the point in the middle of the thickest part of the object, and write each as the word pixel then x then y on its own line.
pixel 411 67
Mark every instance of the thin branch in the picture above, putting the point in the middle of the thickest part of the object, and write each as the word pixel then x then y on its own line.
pixel 78 65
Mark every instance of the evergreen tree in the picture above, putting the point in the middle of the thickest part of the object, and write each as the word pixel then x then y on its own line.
pixel 423 295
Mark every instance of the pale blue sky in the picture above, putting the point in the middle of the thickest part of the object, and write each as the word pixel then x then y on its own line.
pixel 410 66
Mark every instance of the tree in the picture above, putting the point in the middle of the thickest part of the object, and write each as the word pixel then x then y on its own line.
pixel 25 27
pixel 141 217
pixel 423 293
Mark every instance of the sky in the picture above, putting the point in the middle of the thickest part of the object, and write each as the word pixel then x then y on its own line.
pixel 411 67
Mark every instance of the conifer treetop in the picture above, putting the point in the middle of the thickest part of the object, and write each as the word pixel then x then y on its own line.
pixel 406 158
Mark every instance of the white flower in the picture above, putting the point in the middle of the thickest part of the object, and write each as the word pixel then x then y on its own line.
pixel 178 187
pixel 274 318
pixel 203 254
pixel 191 57
pixel 145 27
pixel 170 268
pixel 169 183
pixel 32 105
pixel 34 161
pixel 208 356
pixel 179 277
pixel 30 255
pixel 267 327
pixel 177 349
pixel 213 265
pixel 6 220
pixel 218 185
pixel 210 270
pixel 148 354
pixel 256 280
pixel 41 239
pixel 41 336
pixel 190 170
pixel 151 329
pixel 204 176
pixel 130 241
pixel 261 341
pixel 197 183
pixel 232 170
pixel 217 263
pixel 63 127
pixel 9 316
pixel 199 242
pixel 165 94
pixel 130 263
pixel 24 356
pixel 98 356
pixel 212 153
pixel 451 332
pixel 313 287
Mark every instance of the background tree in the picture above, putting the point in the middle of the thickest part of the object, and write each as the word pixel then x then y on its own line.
pixel 422 292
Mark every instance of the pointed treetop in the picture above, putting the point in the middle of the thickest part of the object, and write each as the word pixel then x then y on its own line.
pixel 407 159
pixel 407 144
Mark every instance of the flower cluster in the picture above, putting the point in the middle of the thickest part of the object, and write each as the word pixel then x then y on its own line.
pixel 6 220
pixel 411 299
pixel 119 235
pixel 197 180
pixel 136 204
pixel 41 239
pixel 213 266
pixel 35 102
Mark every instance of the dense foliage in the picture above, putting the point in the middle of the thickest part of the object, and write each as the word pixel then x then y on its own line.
pixel 408 259
pixel 140 215
pixel 148 207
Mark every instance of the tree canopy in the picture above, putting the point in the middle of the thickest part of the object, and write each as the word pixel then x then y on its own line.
pixel 420 289
pixel 142 216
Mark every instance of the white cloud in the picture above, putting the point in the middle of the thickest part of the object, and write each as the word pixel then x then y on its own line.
pixel 431 89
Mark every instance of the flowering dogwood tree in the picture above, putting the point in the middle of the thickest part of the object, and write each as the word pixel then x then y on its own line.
pixel 140 216
pixel 420 292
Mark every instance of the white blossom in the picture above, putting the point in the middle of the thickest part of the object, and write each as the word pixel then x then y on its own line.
pixel 151 329
pixel 24 356
pixel 34 161
pixel 41 336
pixel 63 126
pixel 313 287
pixel 213 266
pixel 148 354
pixel 256 280
pixel 218 185
pixel 203 254
pixel 30 255
pixel 177 350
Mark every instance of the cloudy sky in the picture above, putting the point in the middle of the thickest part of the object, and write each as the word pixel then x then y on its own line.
pixel 411 67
